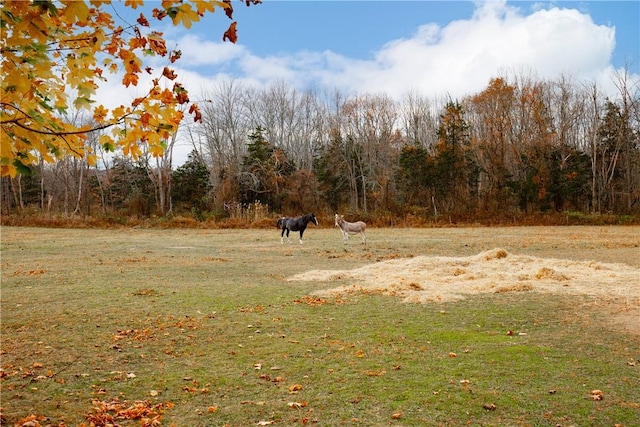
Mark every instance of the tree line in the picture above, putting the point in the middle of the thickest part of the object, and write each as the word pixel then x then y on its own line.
pixel 520 146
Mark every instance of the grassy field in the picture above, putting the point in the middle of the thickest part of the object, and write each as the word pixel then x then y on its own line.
pixel 201 328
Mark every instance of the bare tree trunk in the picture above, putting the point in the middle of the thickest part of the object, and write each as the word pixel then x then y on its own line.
pixel 16 189
pixel 79 198
pixel 593 137
pixel 364 192
pixel 5 203
pixel 41 185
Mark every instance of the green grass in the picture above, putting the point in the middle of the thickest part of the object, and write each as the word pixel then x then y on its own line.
pixel 187 317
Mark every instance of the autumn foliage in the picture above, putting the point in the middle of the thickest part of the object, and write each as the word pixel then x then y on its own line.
pixel 55 56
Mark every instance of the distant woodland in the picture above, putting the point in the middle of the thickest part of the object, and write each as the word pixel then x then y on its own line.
pixel 521 147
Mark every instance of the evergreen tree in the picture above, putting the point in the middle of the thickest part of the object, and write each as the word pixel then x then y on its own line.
pixel 191 185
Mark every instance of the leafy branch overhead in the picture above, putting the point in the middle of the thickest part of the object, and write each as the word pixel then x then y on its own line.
pixel 57 53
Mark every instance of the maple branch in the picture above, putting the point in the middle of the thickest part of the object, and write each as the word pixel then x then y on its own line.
pixel 60 135
pixel 52 132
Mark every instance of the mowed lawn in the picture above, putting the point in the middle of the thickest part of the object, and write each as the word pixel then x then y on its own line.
pixel 201 328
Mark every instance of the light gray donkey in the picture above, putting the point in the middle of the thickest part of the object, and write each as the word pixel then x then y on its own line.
pixel 351 228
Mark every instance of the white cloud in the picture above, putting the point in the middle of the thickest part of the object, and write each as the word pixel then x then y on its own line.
pixel 462 56
pixel 458 58
pixel 198 52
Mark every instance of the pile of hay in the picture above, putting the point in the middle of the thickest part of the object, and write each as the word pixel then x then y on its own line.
pixel 425 279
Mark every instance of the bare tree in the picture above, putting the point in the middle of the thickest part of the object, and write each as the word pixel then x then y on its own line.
pixel 293 121
pixel 418 120
pixel 629 135
pixel 491 122
pixel 370 121
pixel 222 138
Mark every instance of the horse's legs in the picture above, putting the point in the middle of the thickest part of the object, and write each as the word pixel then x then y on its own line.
pixel 288 238
pixel 345 237
pixel 282 237
pixel 301 233
pixel 364 238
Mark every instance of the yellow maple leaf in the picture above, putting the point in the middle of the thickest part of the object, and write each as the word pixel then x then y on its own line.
pixel 133 4
pixel 100 113
pixel 8 170
pixel 92 159
pixel 157 150
pixel 75 11
pixel 185 15
pixel 204 6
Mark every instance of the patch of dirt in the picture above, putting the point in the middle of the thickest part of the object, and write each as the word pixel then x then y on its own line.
pixel 424 279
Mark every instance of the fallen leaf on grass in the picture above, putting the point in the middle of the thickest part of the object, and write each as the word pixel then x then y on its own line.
pixel 489 406
pixel 212 409
pixel 312 301
pixel 396 415
pixel 144 411
pixel 31 420
pixel 295 388
pixel 597 395
pixel 297 405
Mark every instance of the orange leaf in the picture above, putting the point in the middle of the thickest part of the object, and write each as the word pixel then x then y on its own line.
pixel 197 115
pixel 295 388
pixel 231 33
pixel 228 9
pixel 100 113
pixel 130 79
pixel 169 73
pixel 142 20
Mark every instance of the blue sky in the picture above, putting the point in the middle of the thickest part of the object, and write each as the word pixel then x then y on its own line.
pixel 434 48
